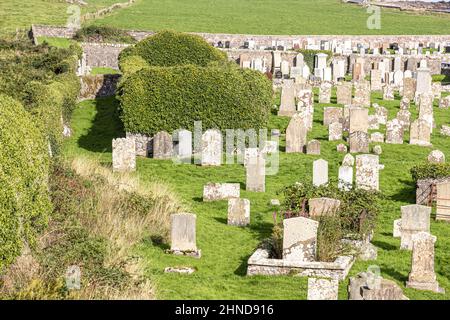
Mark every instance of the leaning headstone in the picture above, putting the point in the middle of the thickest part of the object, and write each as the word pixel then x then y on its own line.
pixel 368 286
pixel 256 174
pixel 332 115
pixel 335 131
pixel 239 212
pixel 359 142
pixel 287 106
pixel 296 135
pixel 183 234
pixel 221 191
pixel 367 172
pixel 313 147
pixel 299 239
pixel 344 93
pixel 323 207
pixel 359 120
pixel 397 230
pixel 394 132
pixel 320 172
pixel 377 137
pixel 420 133
pixel 415 219
pixel 422 275
pixel 436 156
pixel 325 92
pixel 323 289
pixel 443 201
pixel 345 178
pixel 124 155
pixel 212 148
pixel 162 146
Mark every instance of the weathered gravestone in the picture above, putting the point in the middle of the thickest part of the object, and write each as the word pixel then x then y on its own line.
pixel 296 135
pixel 381 113
pixel 212 148
pixel 305 98
pixel 335 131
pixel 348 160
pixel 143 143
pixel 359 119
pixel 415 219
pixel 388 92
pixel 344 93
pixel 323 289
pixel 394 132
pixel 362 93
pixel 373 122
pixel 404 103
pixel 124 154
pixel 239 212
pixel 359 142
pixel 422 275
pixel 183 234
pixel 367 172
pixel 397 230
pixel 287 106
pixel 162 146
pixel 342 148
pixel 436 156
pixel 332 115
pixel 375 80
pixel 443 201
pixel 323 207
pixel 320 172
pixel 409 88
pixel 325 92
pixel 368 286
pixel 256 174
pixel 345 178
pixel 444 103
pixel 248 153
pixel 420 133
pixel 313 147
pixel 299 239
pixel 426 109
pixel 377 137
pixel 221 191
pixel 404 117
pixel 377 150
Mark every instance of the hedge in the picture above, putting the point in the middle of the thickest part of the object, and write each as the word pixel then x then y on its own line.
pixel 155 99
pixel 309 56
pixel 169 48
pixel 103 34
pixel 430 171
pixel 132 64
pixel 24 169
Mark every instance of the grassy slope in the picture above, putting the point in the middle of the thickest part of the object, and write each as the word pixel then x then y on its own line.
pixel 225 249
pixel 270 17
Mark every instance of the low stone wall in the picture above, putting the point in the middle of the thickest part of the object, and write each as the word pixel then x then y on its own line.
pixel 426 192
pixel 98 86
pixel 103 54
pixel 260 264
pixel 52 31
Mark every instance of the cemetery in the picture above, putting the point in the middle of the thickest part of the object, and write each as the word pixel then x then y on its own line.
pixel 223 166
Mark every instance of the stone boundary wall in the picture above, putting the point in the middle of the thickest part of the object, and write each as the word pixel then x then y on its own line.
pixel 52 31
pixel 103 54
pixel 103 85
pixel 425 192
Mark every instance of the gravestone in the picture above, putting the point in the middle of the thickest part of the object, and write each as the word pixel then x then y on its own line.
pixel 212 148
pixel 124 155
pixel 397 232
pixel 415 219
pixel 394 132
pixel 335 131
pixel 367 172
pixel 256 174
pixel 239 212
pixel 388 93
pixel 443 201
pixel 313 147
pixel 323 207
pixel 183 149
pixel 183 234
pixel 325 92
pixel 162 146
pixel 423 80
pixel 359 142
pixel 359 119
pixel 404 117
pixel 332 115
pixel 320 172
pixel 409 88
pixel 377 137
pixel 307 115
pixel 420 133
pixel 436 156
pixel 373 122
pixel 221 191
pixel 287 107
pixel 299 239
pixel 375 80
pixel 422 275
pixel 369 286
pixel 436 89
pixel 377 150
pixel 444 103
pixel 362 94
pixel 305 99
pixel 344 93
pixel 404 103
pixel 348 160
pixel 342 148
pixel 248 153
pixel 143 143
pixel 296 135
pixel 345 178
pixel 323 289
pixel 426 109
pixel 382 114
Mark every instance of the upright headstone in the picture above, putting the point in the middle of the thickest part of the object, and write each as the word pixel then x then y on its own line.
pixel 335 131
pixel 212 148
pixel 183 148
pixel 415 219
pixel 394 132
pixel 359 142
pixel 299 239
pixel 404 117
pixel 344 93
pixel 239 212
pixel 124 154
pixel 382 114
pixel 367 172
pixel 409 88
pixel 325 92
pixel 183 234
pixel 296 133
pixel 345 178
pixel 443 201
pixel 287 106
pixel 426 109
pixel 221 191
pixel 388 92
pixel 362 94
pixel 359 119
pixel 331 115
pixel 320 172
pixel 323 207
pixel 256 174
pixel 313 147
pixel 162 146
pixel 423 80
pixel 375 80
pixel 420 133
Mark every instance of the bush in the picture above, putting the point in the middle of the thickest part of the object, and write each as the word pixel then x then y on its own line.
pixel 168 48
pixel 156 99
pixel 131 64
pixel 25 202
pixel 430 171
pixel 103 34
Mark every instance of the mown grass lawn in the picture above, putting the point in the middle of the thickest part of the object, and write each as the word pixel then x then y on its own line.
pixel 270 17
pixel 225 249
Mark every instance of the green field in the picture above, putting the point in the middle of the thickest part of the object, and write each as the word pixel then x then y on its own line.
pixel 226 249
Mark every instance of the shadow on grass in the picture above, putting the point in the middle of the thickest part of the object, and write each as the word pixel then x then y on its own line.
pixel 394 274
pixel 407 193
pixel 384 245
pixel 105 127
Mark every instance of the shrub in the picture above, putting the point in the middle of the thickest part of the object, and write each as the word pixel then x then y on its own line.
pixel 25 202
pixel 131 64
pixel 329 235
pixel 155 99
pixel 430 171
pixel 168 48
pixel 103 34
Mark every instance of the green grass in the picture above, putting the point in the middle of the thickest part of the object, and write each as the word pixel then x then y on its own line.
pixel 103 70
pixel 56 42
pixel 226 249
pixel 270 17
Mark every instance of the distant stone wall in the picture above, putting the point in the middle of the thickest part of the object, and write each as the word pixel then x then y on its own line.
pixel 98 86
pixel 103 54
pixel 52 31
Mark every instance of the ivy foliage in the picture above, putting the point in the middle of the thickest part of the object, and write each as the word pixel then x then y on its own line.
pixel 430 171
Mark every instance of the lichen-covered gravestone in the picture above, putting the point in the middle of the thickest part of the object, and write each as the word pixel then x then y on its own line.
pixel 313 147
pixel 332 115
pixel 415 219
pixel 359 142
pixel 394 132
pixel 287 106
pixel 212 148
pixel 183 234
pixel 335 131
pixel 359 119
pixel 221 191
pixel 256 174
pixel 325 92
pixel 367 172
pixel 362 93
pixel 299 239
pixel 323 206
pixel 296 133
pixel 162 146
pixel 239 212
pixel 323 289
pixel 344 93
pixel 420 133
pixel 422 275
pixel 124 154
